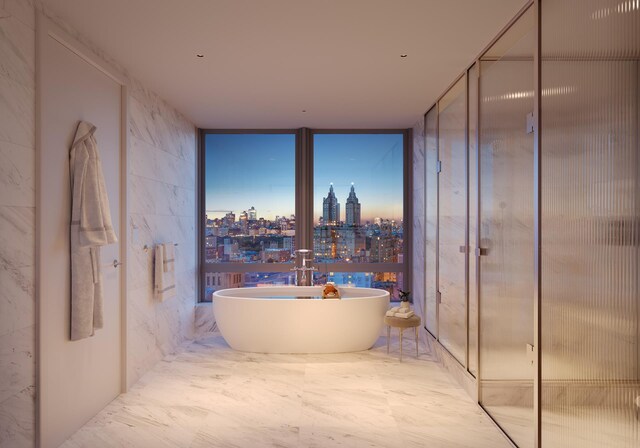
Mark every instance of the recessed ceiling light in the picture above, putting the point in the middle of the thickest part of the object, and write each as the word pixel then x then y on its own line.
pixel 199 55
pixel 403 55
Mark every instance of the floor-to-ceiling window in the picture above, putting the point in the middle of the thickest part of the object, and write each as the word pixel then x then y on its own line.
pixel 248 211
pixel 340 193
pixel 358 209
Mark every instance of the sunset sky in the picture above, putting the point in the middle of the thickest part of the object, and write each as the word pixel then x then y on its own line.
pixel 244 170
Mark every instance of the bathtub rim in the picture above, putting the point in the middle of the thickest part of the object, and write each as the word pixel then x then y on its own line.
pixel 377 293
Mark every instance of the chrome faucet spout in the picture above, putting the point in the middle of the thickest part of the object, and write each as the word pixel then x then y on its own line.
pixel 303 262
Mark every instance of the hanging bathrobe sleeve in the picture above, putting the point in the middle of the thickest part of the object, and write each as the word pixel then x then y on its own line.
pixel 96 228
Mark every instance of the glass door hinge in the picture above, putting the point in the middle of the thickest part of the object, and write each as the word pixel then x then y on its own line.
pixel 530 123
pixel 530 354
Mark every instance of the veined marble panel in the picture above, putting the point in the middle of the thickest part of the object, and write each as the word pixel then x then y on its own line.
pixel 174 201
pixel 205 321
pixel 22 10
pixel 17 298
pixel 17 51
pixel 418 217
pixel 17 224
pixel 142 159
pixel 143 195
pixel 17 112
pixel 17 236
pixel 175 171
pixel 17 361
pixel 17 420
pixel 17 175
pixel 142 351
pixel 141 265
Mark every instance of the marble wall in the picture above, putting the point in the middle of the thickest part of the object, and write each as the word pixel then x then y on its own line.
pixel 161 177
pixel 418 218
pixel 17 223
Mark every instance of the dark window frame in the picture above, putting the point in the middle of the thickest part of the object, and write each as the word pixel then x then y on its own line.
pixel 304 205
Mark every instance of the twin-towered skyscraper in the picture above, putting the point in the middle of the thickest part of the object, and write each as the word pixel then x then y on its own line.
pixel 331 209
pixel 352 208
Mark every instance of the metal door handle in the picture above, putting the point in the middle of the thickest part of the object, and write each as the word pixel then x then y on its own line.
pixel 116 263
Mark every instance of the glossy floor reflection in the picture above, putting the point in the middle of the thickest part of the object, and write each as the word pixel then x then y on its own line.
pixel 211 396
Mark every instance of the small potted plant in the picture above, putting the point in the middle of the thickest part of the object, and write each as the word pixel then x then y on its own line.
pixel 404 300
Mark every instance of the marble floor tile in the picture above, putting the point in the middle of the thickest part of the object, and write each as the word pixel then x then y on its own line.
pixel 349 437
pixel 208 395
pixel 282 436
pixel 140 426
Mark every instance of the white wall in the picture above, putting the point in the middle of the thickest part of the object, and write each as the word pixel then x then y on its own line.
pixel 162 167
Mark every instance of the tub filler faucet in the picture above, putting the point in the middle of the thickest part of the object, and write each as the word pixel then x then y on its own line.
pixel 304 272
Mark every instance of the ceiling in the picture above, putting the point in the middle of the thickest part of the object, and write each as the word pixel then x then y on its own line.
pixel 265 62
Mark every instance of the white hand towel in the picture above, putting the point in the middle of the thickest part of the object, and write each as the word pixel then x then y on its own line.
pixel 164 282
pixel 169 257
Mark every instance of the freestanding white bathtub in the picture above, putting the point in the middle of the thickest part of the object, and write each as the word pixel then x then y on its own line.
pixel 294 319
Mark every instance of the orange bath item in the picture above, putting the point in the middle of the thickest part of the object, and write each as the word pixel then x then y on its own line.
pixel 330 292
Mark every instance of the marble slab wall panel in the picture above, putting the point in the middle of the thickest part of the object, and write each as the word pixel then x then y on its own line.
pixel 162 173
pixel 162 201
pixel 205 321
pixel 17 224
pixel 418 216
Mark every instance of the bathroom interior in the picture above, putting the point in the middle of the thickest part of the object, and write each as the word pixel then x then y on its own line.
pixel 410 223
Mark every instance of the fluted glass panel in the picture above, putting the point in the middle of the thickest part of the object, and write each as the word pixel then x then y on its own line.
pixel 452 223
pixel 431 219
pixel 507 229
pixel 590 162
pixel 473 217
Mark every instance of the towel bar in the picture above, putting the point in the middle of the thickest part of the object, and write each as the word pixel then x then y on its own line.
pixel 146 247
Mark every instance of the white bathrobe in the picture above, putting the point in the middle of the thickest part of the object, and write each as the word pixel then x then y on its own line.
pixel 90 228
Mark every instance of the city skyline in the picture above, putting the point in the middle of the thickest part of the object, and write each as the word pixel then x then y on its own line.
pixel 244 170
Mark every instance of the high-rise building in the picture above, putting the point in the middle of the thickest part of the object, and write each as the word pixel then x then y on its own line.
pixel 338 242
pixel 253 214
pixel 221 280
pixel 382 250
pixel 229 219
pixel 330 209
pixel 352 209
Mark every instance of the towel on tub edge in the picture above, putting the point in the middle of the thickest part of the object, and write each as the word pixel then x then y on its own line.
pixel 164 276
